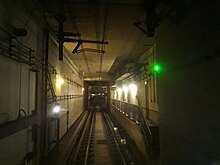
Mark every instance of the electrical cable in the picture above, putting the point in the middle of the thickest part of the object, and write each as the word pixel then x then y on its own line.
pixel 105 30
pixel 77 31
pixel 31 13
pixel 20 77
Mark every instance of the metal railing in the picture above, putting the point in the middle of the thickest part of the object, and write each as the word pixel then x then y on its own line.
pixel 134 113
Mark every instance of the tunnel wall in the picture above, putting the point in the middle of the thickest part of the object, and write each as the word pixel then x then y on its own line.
pixel 188 88
pixel 145 94
pixel 18 88
pixel 17 85
pixel 70 108
pixel 144 97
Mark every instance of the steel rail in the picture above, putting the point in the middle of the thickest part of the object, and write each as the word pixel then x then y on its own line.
pixel 115 140
pixel 89 140
pixel 81 139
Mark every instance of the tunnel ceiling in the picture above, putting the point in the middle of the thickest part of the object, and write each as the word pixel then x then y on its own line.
pixel 101 21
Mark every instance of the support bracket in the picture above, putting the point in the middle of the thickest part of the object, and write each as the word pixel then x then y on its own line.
pixel 89 50
pixel 61 19
pixel 61 38
pixel 75 50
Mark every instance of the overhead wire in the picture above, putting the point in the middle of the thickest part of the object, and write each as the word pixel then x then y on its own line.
pixel 76 28
pixel 104 37
pixel 31 13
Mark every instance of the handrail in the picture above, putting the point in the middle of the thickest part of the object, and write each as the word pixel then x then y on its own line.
pixel 146 133
pixel 134 113
pixel 144 120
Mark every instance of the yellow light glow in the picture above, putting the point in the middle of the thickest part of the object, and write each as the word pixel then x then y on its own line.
pixel 83 89
pixel 56 109
pixel 133 89
pixel 59 80
pixel 125 89
pixel 119 90
pixel 115 94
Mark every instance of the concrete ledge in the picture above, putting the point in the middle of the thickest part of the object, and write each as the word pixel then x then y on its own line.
pixel 132 129
pixel 14 126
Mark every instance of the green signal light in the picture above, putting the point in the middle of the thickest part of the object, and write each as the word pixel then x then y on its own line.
pixel 156 68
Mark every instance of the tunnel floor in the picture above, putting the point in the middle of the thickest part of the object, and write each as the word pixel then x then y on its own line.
pixel 104 154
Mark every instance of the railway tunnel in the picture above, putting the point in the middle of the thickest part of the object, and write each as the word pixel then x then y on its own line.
pixel 109 82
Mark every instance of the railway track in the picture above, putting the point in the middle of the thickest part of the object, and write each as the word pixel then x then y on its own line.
pixel 99 143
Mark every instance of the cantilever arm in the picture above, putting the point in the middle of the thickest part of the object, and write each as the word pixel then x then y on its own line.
pixel 76 48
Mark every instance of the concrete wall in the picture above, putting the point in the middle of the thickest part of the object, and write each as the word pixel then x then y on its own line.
pixel 14 147
pixel 132 129
pixel 65 69
pixel 17 85
pixel 17 88
pixel 189 87
pixel 148 92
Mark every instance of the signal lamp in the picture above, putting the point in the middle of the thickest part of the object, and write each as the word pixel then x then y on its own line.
pixel 156 68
